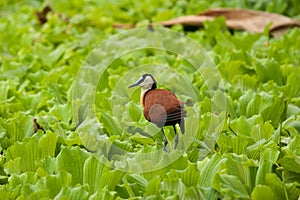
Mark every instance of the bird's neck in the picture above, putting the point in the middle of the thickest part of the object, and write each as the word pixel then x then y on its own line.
pixel 144 91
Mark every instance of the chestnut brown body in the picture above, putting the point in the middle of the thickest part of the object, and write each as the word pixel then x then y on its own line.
pixel 162 108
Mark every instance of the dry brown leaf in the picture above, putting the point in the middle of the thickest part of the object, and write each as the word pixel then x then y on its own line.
pixel 36 126
pixel 42 16
pixel 237 19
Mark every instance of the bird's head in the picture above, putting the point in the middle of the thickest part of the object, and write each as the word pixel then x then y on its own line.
pixel 146 82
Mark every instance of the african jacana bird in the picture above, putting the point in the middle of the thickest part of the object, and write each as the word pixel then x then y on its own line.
pixel 161 107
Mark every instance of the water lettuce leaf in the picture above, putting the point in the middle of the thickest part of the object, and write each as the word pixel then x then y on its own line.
pixel 243 117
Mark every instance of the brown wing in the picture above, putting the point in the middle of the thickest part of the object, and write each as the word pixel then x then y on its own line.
pixel 162 108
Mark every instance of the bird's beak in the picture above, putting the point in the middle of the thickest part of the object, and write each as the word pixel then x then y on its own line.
pixel 134 84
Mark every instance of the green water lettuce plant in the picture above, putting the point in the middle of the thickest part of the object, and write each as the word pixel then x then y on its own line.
pixel 249 151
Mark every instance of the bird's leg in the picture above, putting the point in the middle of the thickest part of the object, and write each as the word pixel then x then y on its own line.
pixel 165 140
pixel 176 137
pixel 181 125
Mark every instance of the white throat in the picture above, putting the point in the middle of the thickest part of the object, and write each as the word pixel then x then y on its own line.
pixel 143 92
pixel 146 83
